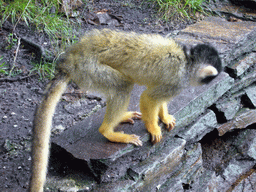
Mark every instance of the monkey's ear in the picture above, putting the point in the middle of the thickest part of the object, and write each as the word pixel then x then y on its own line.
pixel 207 73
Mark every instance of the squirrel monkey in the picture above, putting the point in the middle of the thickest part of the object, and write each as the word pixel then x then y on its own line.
pixel 111 62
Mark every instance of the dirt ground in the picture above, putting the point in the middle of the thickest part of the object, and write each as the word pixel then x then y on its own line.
pixel 19 95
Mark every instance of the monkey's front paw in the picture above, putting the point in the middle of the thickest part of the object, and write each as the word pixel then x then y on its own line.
pixel 156 138
pixel 130 115
pixel 155 131
pixel 169 122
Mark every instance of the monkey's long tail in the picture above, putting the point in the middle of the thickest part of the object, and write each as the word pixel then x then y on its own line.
pixel 42 131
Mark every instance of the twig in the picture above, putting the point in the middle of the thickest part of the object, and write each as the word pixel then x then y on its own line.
pixel 16 54
pixel 16 78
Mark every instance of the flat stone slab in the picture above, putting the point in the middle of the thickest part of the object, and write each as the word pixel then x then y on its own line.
pixel 223 106
pixel 84 141
pixel 152 168
pixel 216 30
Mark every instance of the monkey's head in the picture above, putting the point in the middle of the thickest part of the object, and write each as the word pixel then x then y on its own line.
pixel 204 64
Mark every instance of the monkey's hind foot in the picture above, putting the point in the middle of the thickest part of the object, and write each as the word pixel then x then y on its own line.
pixel 119 137
pixel 169 122
pixel 136 140
pixel 130 115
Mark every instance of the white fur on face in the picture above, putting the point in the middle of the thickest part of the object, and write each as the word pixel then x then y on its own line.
pixel 208 71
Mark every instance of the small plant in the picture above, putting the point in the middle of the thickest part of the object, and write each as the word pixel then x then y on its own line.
pixel 44 16
pixel 185 8
pixel 11 41
pixel 3 68
pixel 41 14
pixel 45 70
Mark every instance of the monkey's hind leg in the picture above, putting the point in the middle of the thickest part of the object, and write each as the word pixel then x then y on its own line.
pixel 165 117
pixel 116 113
pixel 117 88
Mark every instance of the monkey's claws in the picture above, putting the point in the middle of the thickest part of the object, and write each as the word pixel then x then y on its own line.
pixel 156 138
pixel 136 140
pixel 169 122
pixel 130 115
pixel 155 131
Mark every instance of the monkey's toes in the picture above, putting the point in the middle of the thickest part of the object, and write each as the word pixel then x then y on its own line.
pixel 136 115
pixel 135 139
pixel 156 138
pixel 169 122
pixel 170 126
pixel 130 115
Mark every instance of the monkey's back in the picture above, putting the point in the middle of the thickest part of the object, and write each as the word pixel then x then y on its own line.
pixel 147 59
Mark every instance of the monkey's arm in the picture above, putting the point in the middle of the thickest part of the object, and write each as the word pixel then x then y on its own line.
pixel 165 117
pixel 152 109
pixel 42 132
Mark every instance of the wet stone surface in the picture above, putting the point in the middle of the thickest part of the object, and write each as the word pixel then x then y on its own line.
pixel 192 157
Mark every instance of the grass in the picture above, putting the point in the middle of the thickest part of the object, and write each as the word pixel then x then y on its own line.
pixel 38 13
pixel 182 8
pixel 44 17
pixel 3 68
pixel 45 70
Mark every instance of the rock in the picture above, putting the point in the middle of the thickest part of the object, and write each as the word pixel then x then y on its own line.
pixel 238 68
pixel 243 82
pixel 192 164
pixel 73 107
pixel 172 185
pixel 246 183
pixel 247 149
pixel 151 172
pixel 193 102
pixel 58 129
pixel 232 174
pixel 68 189
pixel 251 93
pixel 223 109
pixel 200 128
pixel 207 182
pixel 176 164
pixel 186 172
pixel 242 120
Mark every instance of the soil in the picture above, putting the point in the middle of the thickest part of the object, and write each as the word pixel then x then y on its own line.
pixel 20 94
